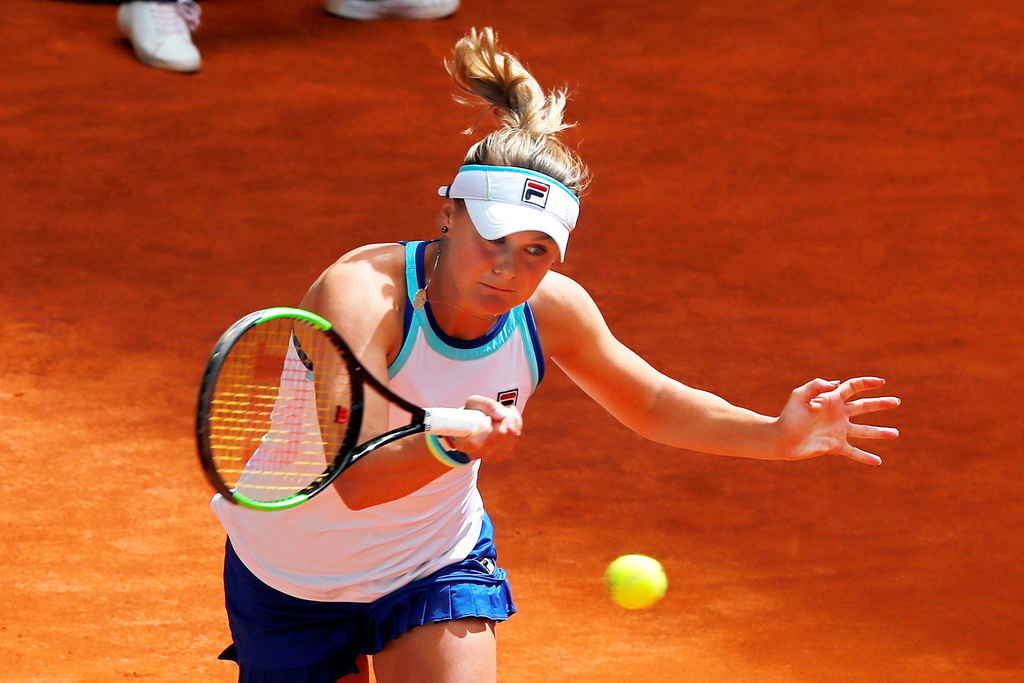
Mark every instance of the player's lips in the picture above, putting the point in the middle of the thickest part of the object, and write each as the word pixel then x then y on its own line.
pixel 498 289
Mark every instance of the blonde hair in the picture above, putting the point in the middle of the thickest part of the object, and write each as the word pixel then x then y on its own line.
pixel 530 119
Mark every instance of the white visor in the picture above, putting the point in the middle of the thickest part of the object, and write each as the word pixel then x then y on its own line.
pixel 503 200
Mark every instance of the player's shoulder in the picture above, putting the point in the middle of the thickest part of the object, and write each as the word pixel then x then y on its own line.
pixel 556 292
pixel 383 258
pixel 362 293
pixel 565 313
pixel 369 265
pixel 362 277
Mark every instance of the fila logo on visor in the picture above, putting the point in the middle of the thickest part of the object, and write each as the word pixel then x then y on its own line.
pixel 535 192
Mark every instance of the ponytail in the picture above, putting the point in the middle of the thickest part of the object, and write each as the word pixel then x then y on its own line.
pixel 531 120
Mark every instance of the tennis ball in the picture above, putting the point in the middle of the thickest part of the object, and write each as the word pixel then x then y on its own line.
pixel 636 581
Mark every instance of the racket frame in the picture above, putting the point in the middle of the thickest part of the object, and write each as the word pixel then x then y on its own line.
pixel 349 452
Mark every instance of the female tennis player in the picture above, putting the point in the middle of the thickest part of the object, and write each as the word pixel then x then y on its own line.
pixel 397 560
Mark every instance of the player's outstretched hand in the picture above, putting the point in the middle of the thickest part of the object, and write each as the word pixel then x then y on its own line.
pixel 817 420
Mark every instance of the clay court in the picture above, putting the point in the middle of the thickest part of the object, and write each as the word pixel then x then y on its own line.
pixel 782 190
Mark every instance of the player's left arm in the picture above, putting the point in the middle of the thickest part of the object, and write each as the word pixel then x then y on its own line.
pixel 816 419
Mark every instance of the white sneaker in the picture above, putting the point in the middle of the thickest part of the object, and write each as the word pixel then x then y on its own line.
pixel 391 9
pixel 161 33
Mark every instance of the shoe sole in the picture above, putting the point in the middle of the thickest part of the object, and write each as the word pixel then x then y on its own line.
pixel 177 67
pixel 367 9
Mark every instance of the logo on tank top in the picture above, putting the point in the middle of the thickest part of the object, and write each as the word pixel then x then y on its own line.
pixel 535 192
pixel 509 397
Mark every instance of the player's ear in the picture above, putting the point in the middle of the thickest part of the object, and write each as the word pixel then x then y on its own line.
pixel 446 214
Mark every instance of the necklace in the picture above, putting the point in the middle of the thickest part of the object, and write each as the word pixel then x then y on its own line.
pixel 420 299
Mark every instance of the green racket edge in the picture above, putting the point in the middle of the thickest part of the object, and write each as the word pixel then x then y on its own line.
pixel 266 507
pixel 316 321
pixel 287 312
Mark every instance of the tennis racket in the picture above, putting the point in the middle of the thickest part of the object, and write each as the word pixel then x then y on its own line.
pixel 281 406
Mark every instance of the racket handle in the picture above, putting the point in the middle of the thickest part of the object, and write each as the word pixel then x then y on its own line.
pixel 453 421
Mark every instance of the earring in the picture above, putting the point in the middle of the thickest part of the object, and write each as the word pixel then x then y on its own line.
pixel 444 228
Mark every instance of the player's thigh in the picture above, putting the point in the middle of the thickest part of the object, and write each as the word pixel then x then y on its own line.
pixel 459 651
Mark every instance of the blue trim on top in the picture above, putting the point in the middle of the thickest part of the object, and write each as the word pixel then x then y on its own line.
pixel 413 281
pixel 468 344
pixel 530 344
pixel 414 272
pixel 520 317
pixel 538 353
pixel 515 169
pixel 421 265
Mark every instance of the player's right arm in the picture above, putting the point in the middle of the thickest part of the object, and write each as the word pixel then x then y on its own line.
pixel 363 296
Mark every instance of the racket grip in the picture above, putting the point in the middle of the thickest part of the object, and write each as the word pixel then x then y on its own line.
pixel 453 421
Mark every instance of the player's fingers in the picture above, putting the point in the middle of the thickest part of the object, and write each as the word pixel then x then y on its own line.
pixel 858 455
pixel 871 405
pixel 513 419
pixel 493 409
pixel 858 431
pixel 856 385
pixel 815 387
pixel 506 421
pixel 486 405
pixel 506 430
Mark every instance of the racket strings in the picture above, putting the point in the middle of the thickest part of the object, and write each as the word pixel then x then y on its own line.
pixel 274 421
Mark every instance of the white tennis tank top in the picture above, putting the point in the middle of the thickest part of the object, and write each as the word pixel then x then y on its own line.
pixel 321 550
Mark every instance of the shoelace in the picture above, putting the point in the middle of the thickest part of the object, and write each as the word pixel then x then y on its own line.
pixel 190 12
pixel 178 17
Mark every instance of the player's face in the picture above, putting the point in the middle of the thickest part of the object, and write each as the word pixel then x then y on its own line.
pixel 492 277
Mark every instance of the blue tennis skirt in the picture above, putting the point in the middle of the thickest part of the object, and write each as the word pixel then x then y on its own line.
pixel 282 639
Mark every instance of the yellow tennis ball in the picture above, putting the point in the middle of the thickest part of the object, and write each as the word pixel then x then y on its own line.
pixel 636 581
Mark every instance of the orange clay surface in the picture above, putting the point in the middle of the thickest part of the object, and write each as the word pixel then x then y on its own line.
pixel 782 190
